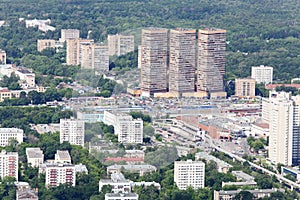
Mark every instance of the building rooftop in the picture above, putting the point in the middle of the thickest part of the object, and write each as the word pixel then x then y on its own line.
pixel 243 175
pixel 34 153
pixel 26 194
pixel 121 195
pixel 208 157
pixel 256 191
pixel 132 167
pixel 63 155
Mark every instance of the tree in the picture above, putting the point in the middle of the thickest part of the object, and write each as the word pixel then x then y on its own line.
pixel 148 130
pixel 244 195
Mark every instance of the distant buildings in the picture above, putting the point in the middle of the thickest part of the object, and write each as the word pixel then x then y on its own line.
pixel 27 77
pixel 154 61
pixel 9 164
pixel 35 156
pixel 86 53
pixel 9 134
pixel 43 25
pixel 62 157
pixel 120 44
pixel 120 196
pixel 72 131
pixel 177 77
pixel 211 60
pixel 223 167
pixel 262 74
pixel 257 193
pixel 189 173
pixel 74 50
pixel 59 173
pixel 67 34
pixel 281 111
pixel 24 192
pixel 245 87
pixel 141 169
pixel 182 61
pixel 44 44
pixel 2 57
pixel 129 130
pixel 118 183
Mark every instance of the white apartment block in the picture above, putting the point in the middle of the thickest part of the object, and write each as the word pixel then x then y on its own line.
pixel 129 130
pixel 262 74
pixel 281 111
pixel 8 134
pixel 69 34
pixel 120 196
pixel 62 157
pixel 43 25
pixel 189 173
pixel 35 156
pixel 72 131
pixel 57 174
pixel 118 183
pixel 120 44
pixel 9 164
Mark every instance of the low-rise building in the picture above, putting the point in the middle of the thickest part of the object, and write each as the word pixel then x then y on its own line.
pixel 260 130
pixel 223 166
pixel 293 171
pixel 118 183
pixel 243 179
pixel 8 134
pixel 141 169
pixel 81 169
pixel 257 193
pixel 5 93
pixel 121 196
pixel 62 157
pixel 145 184
pixel 35 156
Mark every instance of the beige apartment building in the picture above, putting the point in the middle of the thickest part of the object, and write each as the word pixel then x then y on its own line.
pixel 154 61
pixel 120 44
pixel 67 34
pixel 74 50
pixel 94 56
pixel 211 60
pixel 44 44
pixel 182 61
pixel 245 87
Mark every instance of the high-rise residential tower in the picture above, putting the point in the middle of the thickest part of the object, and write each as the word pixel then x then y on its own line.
pixel 154 61
pixel 67 34
pixel 182 60
pixel 281 111
pixel 120 44
pixel 211 60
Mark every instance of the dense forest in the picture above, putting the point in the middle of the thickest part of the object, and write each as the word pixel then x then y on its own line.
pixel 259 32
